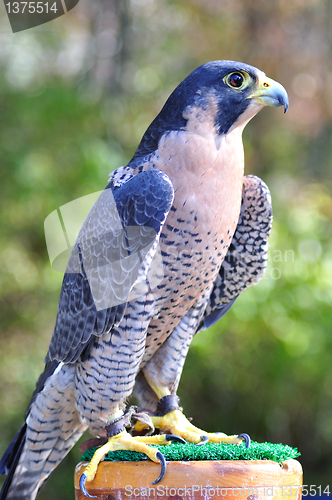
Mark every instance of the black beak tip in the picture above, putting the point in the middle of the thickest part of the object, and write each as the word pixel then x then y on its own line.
pixel 284 101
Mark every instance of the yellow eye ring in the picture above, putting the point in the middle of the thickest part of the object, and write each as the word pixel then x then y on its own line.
pixel 235 80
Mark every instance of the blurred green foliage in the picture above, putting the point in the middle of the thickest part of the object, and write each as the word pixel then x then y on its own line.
pixel 75 97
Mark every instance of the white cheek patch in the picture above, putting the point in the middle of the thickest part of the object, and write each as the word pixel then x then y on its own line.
pixel 246 116
pixel 201 121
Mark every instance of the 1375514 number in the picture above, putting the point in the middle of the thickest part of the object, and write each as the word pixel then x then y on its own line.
pixel 31 7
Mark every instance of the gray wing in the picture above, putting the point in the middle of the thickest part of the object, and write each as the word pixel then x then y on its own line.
pixel 246 259
pixel 112 262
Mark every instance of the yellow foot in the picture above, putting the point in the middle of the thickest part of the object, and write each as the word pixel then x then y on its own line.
pixel 169 418
pixel 175 422
pixel 124 441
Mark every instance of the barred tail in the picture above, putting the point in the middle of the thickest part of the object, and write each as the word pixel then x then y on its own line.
pixel 10 460
pixel 52 428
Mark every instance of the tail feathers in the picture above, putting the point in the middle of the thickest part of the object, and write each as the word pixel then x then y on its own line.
pixel 52 428
pixel 10 460
pixel 11 457
pixel 31 468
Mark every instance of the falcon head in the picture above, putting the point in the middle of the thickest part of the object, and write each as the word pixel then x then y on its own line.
pixel 225 93
pixel 238 90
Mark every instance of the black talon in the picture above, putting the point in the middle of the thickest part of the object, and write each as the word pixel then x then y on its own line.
pixel 204 439
pixel 173 437
pixel 162 460
pixel 246 439
pixel 83 488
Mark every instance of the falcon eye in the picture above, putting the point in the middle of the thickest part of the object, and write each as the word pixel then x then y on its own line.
pixel 235 80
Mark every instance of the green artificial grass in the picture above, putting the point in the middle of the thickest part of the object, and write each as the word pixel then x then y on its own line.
pixel 208 451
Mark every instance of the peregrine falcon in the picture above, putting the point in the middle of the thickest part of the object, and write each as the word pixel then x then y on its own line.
pixel 165 251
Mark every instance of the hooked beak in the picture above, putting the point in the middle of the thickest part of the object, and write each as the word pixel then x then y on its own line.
pixel 270 93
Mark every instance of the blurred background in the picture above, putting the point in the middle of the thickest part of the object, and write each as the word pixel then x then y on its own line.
pixel 76 95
